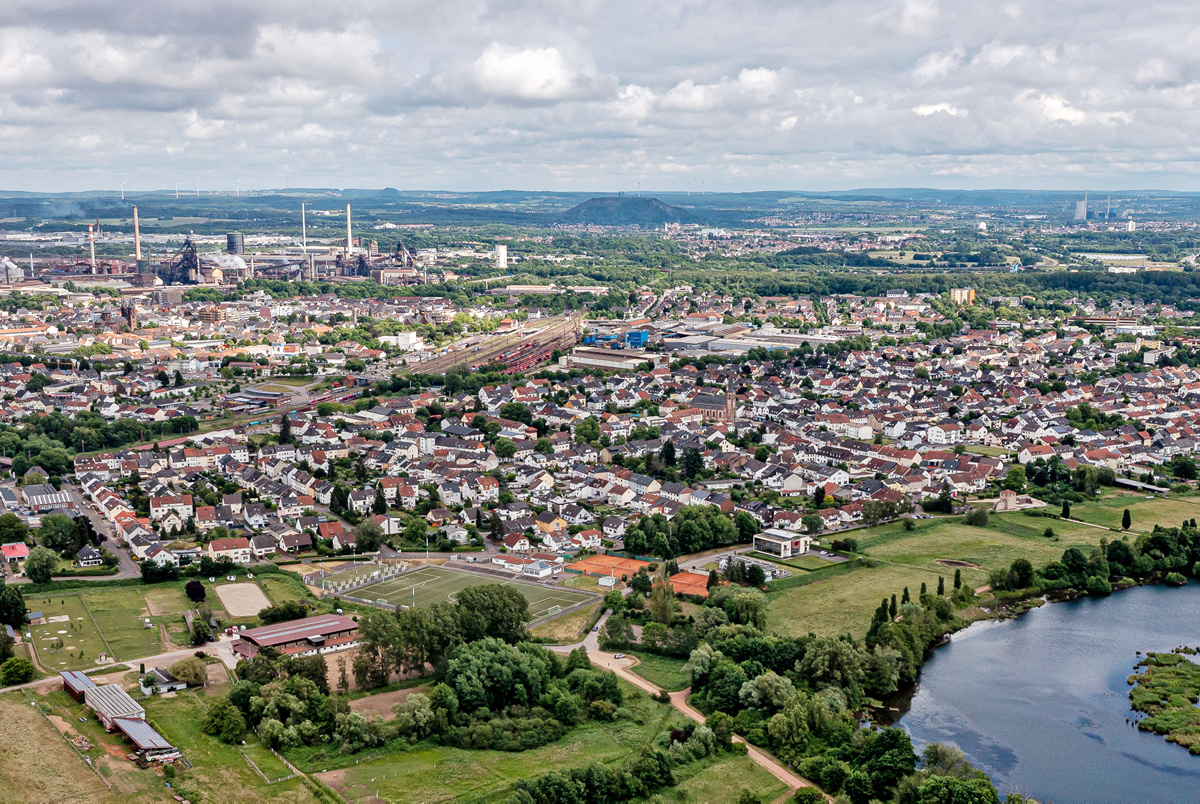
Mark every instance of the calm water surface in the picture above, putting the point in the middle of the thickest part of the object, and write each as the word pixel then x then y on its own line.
pixel 1041 702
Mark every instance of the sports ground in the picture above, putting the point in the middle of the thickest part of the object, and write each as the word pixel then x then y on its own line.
pixel 428 585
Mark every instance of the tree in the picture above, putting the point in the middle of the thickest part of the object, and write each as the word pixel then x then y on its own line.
pixel 746 526
pixel 641 582
pixel 178 378
pixel 667 453
pixel 693 463
pixel 1066 509
pixel 662 601
pixel 285 430
pixel 58 533
pixel 190 671
pixel 958 579
pixel 368 535
pixel 818 497
pixel 755 576
pixel 941 590
pixel 713 579
pixel 195 591
pixel 812 523
pixel 41 564
pixel 17 670
pixel 492 610
pixel 544 446
pixel 12 605
pixel 504 448
pixel 379 506
pixel 1126 520
pixel 224 721
pixel 163 378
pixel 1015 479
pixel 12 529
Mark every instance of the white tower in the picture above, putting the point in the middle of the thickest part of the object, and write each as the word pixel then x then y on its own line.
pixel 349 238
pixel 502 257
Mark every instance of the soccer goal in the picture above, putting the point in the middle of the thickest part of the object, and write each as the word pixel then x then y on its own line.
pixel 550 612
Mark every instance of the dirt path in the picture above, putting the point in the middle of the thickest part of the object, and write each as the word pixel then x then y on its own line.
pixel 679 701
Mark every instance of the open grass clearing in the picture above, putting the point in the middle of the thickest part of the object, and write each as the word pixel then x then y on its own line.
pixel 219 769
pixel 722 778
pixel 664 671
pixel 843 603
pixel 1006 538
pixel 282 590
pixel 437 773
pixel 569 627
pixel 1145 514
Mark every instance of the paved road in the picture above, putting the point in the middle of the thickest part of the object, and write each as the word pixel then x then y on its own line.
pixel 223 650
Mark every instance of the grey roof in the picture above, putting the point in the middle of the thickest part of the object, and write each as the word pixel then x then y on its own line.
pixel 142 734
pixel 112 701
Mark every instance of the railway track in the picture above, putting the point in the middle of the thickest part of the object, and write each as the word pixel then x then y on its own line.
pixel 556 332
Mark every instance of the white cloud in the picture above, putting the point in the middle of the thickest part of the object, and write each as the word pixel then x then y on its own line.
pixel 533 74
pixel 934 108
pixel 938 65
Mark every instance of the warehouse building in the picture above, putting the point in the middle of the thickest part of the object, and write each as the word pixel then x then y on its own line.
pixel 312 635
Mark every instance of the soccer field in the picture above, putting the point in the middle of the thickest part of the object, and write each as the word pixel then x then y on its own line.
pixel 428 585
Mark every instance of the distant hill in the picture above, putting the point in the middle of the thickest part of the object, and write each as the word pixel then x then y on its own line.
pixel 615 210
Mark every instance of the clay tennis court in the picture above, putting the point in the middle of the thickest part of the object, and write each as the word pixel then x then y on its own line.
pixel 608 565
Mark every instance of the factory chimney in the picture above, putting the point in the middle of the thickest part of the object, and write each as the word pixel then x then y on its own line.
pixel 303 230
pixel 92 246
pixel 349 241
pixel 137 237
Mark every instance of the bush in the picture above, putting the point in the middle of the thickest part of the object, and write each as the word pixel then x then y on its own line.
pixel 808 795
pixel 846 545
pixel 977 517
pixel 1175 579
pixel 195 591
pixel 17 670
pixel 1098 586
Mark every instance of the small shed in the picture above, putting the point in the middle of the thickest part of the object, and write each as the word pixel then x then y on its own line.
pixel 76 683
pixel 148 742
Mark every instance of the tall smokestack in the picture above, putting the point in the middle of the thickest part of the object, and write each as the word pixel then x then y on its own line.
pixel 349 240
pixel 92 246
pixel 137 237
pixel 303 230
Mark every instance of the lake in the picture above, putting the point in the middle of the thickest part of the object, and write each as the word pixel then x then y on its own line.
pixel 1040 702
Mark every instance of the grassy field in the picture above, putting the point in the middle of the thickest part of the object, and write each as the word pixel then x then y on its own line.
pixel 120 613
pixel 282 589
pixel 1145 514
pixel 219 769
pixel 664 671
pixel 60 642
pixel 1006 538
pixel 39 765
pixel 429 585
pixel 439 774
pixel 842 603
pixel 568 628
pixel 806 562
pixel 722 780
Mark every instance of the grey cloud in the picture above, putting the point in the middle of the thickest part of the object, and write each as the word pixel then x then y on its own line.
pixel 506 93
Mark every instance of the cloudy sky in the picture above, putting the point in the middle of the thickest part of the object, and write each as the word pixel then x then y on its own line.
pixel 599 94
